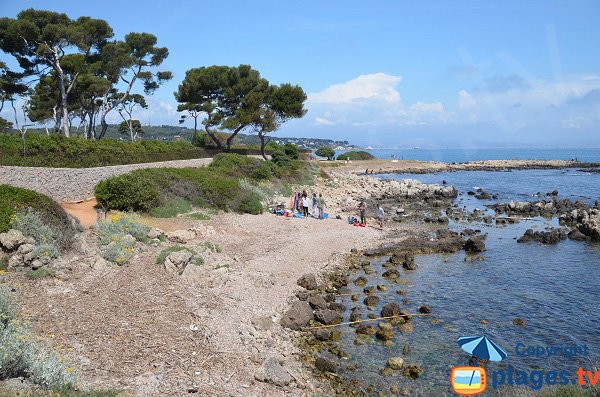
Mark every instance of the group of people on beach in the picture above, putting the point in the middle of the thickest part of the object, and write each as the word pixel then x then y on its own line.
pixel 303 205
pixel 315 205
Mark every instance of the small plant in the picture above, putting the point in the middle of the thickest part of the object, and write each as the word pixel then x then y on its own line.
pixel 172 209
pixel 212 247
pixel 119 251
pixel 122 224
pixel 40 273
pixel 160 260
pixel 198 261
pixel 48 250
pixel 8 308
pixel 3 264
pixel 30 223
pixel 201 216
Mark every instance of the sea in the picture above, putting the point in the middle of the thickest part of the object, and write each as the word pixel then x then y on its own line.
pixel 461 155
pixel 555 289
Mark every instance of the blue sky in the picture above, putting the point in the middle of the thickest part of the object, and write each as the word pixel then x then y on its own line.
pixel 389 73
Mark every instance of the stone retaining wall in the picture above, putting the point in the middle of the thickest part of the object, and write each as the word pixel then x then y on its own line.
pixel 75 184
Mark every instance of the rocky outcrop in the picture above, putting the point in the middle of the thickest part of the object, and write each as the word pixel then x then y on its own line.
pixel 590 224
pixel 474 245
pixel 545 237
pixel 297 316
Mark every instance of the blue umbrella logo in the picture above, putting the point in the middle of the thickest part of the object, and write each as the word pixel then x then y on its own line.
pixel 482 348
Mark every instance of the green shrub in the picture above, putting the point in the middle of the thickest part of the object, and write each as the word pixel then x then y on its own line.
pixel 44 250
pixel 14 199
pixel 58 151
pixel 198 261
pixel 325 151
pixel 249 203
pixel 280 159
pixel 117 247
pixel 39 273
pixel 236 165
pixel 30 223
pixel 3 264
pixel 171 209
pixel 292 151
pixel 356 155
pixel 212 246
pixel 160 260
pixel 129 192
pixel 24 354
pixel 201 216
pixel 8 307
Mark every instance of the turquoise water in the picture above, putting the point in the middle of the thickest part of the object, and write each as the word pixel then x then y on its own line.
pixel 554 288
pixel 463 155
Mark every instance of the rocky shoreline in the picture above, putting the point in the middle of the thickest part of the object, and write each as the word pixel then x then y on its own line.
pixel 317 306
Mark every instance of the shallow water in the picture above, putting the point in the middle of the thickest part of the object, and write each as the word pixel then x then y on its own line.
pixel 554 288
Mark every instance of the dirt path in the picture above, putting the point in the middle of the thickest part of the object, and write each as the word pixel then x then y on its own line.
pixel 85 211
pixel 141 330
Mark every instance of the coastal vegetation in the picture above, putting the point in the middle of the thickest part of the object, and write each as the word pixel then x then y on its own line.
pixel 231 182
pixel 356 155
pixel 326 152
pixel 35 214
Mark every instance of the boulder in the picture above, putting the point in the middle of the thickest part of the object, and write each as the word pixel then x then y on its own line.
pixel 384 331
pixel 395 362
pixel 272 372
pixel 576 235
pixel 474 244
pixel 360 281
pixel 590 225
pixel 154 233
pixel 181 236
pixel 328 316
pixel 12 239
pixel 297 316
pixel 391 274
pixel 425 309
pixel 412 371
pixel 178 260
pixel 552 236
pixel 366 329
pixel 391 309
pixel 308 281
pixel 371 300
pixel 325 365
pixel 317 302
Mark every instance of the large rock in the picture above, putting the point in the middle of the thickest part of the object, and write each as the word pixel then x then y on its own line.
pixel 297 316
pixel 395 362
pixel 590 224
pixel 178 260
pixel 328 316
pixel 308 281
pixel 325 365
pixel 391 309
pixel 154 233
pixel 545 237
pixel 12 239
pixel 317 302
pixel 474 245
pixel 181 236
pixel 271 371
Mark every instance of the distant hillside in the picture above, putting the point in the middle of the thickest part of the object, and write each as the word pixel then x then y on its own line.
pixel 171 132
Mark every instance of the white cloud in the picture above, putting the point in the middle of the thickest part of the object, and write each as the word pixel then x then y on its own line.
pixel 323 121
pixel 378 87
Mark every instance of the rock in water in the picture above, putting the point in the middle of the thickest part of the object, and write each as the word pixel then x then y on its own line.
pixel 395 362
pixel 576 235
pixel 391 309
pixel 328 316
pixel 412 371
pixel 474 244
pixel 385 331
pixel 272 372
pixel 590 224
pixel 325 365
pixel 425 309
pixel 297 316
pixel 371 300
pixel 308 281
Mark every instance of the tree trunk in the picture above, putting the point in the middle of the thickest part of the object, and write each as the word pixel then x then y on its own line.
pixel 63 100
pixel 261 135
pixel 214 138
pixel 232 136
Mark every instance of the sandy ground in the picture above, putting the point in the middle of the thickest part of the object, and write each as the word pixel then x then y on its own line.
pixel 84 211
pixel 149 333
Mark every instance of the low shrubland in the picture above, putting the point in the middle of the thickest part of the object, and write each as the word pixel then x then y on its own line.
pixel 231 182
pixel 356 155
pixel 58 151
pixel 23 354
pixel 39 216
pixel 118 236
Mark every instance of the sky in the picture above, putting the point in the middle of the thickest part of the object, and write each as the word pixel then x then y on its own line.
pixel 388 73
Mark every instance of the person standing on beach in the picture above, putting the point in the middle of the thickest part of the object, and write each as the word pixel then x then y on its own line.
pixel 380 216
pixel 321 206
pixel 305 204
pixel 314 204
pixel 362 208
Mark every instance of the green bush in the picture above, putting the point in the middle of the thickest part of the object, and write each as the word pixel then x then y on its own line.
pixel 209 245
pixel 117 246
pixel 129 192
pixel 236 165
pixel 356 155
pixel 201 216
pixel 172 208
pixel 14 199
pixel 58 151
pixel 39 273
pixel 292 151
pixel 30 223
pixel 8 307
pixel 44 250
pixel 325 151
